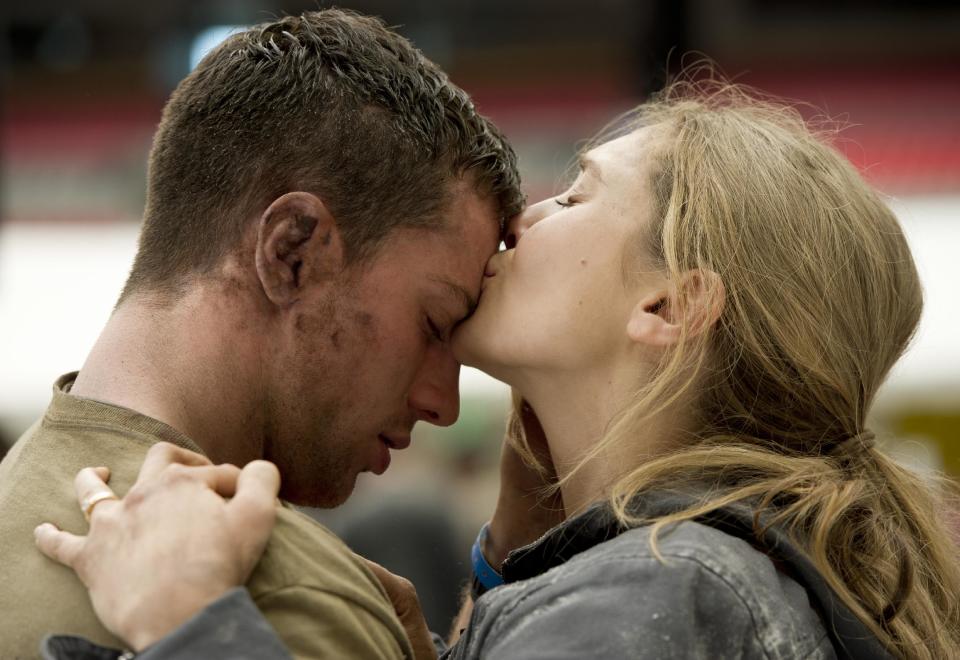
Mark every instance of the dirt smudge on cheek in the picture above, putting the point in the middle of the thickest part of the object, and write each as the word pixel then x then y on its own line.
pixel 307 324
pixel 339 326
pixel 353 334
pixel 317 330
pixel 364 319
pixel 368 330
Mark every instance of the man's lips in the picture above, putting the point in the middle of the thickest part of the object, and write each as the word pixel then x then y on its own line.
pixel 387 442
pixel 395 441
pixel 382 459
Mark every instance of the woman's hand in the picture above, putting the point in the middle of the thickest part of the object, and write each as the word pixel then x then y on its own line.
pixel 526 507
pixel 406 603
pixel 172 545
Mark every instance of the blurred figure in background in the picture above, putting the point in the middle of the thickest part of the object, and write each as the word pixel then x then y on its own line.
pixel 417 538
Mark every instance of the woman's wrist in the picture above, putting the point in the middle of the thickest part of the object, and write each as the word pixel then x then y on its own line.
pixel 508 531
pixel 497 543
pixel 148 624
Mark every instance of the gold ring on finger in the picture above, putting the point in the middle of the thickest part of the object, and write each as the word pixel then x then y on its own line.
pixel 93 500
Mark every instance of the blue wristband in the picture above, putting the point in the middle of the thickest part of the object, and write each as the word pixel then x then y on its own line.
pixel 482 570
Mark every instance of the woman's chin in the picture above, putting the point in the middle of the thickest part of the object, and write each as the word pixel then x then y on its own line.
pixel 466 349
pixel 471 350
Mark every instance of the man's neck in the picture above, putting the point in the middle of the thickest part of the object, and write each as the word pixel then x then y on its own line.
pixel 186 365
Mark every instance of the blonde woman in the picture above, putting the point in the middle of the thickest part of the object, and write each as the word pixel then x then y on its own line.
pixel 697 328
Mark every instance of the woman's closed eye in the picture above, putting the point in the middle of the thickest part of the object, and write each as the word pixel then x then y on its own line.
pixel 566 203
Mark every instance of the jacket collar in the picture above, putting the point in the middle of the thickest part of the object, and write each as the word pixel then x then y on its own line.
pixel 850 637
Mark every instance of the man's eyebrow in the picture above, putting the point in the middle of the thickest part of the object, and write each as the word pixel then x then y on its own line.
pixel 468 301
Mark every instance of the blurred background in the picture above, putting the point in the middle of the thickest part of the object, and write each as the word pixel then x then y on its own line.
pixel 83 84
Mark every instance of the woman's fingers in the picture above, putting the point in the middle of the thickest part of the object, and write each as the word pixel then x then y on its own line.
pixel 400 590
pixel 92 489
pixel 255 501
pixel 396 587
pixel 163 454
pixel 222 479
pixel 260 479
pixel 139 541
pixel 59 545
pixel 252 512
pixel 91 480
pixel 403 597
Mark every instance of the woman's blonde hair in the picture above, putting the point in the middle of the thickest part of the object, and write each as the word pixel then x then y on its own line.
pixel 821 297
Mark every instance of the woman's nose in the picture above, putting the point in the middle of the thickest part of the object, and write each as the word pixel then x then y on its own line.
pixel 514 231
pixel 521 222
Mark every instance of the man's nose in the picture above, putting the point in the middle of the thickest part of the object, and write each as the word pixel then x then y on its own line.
pixel 435 393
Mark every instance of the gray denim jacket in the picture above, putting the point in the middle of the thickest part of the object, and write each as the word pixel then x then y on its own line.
pixel 591 589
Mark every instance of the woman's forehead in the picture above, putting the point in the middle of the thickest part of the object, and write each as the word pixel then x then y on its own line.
pixel 623 161
pixel 623 153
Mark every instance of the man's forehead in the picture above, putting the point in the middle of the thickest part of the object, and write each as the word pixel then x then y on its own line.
pixel 472 204
pixel 472 237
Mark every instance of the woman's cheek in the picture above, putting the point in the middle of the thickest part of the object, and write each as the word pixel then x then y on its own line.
pixel 536 251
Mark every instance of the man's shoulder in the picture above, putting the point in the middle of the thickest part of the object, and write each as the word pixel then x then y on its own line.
pixel 321 598
pixel 302 552
pixel 36 485
pixel 50 453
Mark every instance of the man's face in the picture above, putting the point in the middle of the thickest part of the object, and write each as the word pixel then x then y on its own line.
pixel 360 366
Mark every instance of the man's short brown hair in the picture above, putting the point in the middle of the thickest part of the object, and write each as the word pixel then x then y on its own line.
pixel 330 102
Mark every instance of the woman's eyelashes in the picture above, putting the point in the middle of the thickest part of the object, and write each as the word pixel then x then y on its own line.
pixel 571 200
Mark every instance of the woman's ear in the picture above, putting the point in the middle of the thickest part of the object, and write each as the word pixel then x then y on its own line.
pixel 657 319
pixel 651 322
pixel 298 243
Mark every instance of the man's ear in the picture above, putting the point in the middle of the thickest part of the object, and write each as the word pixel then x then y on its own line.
pixel 656 320
pixel 298 242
